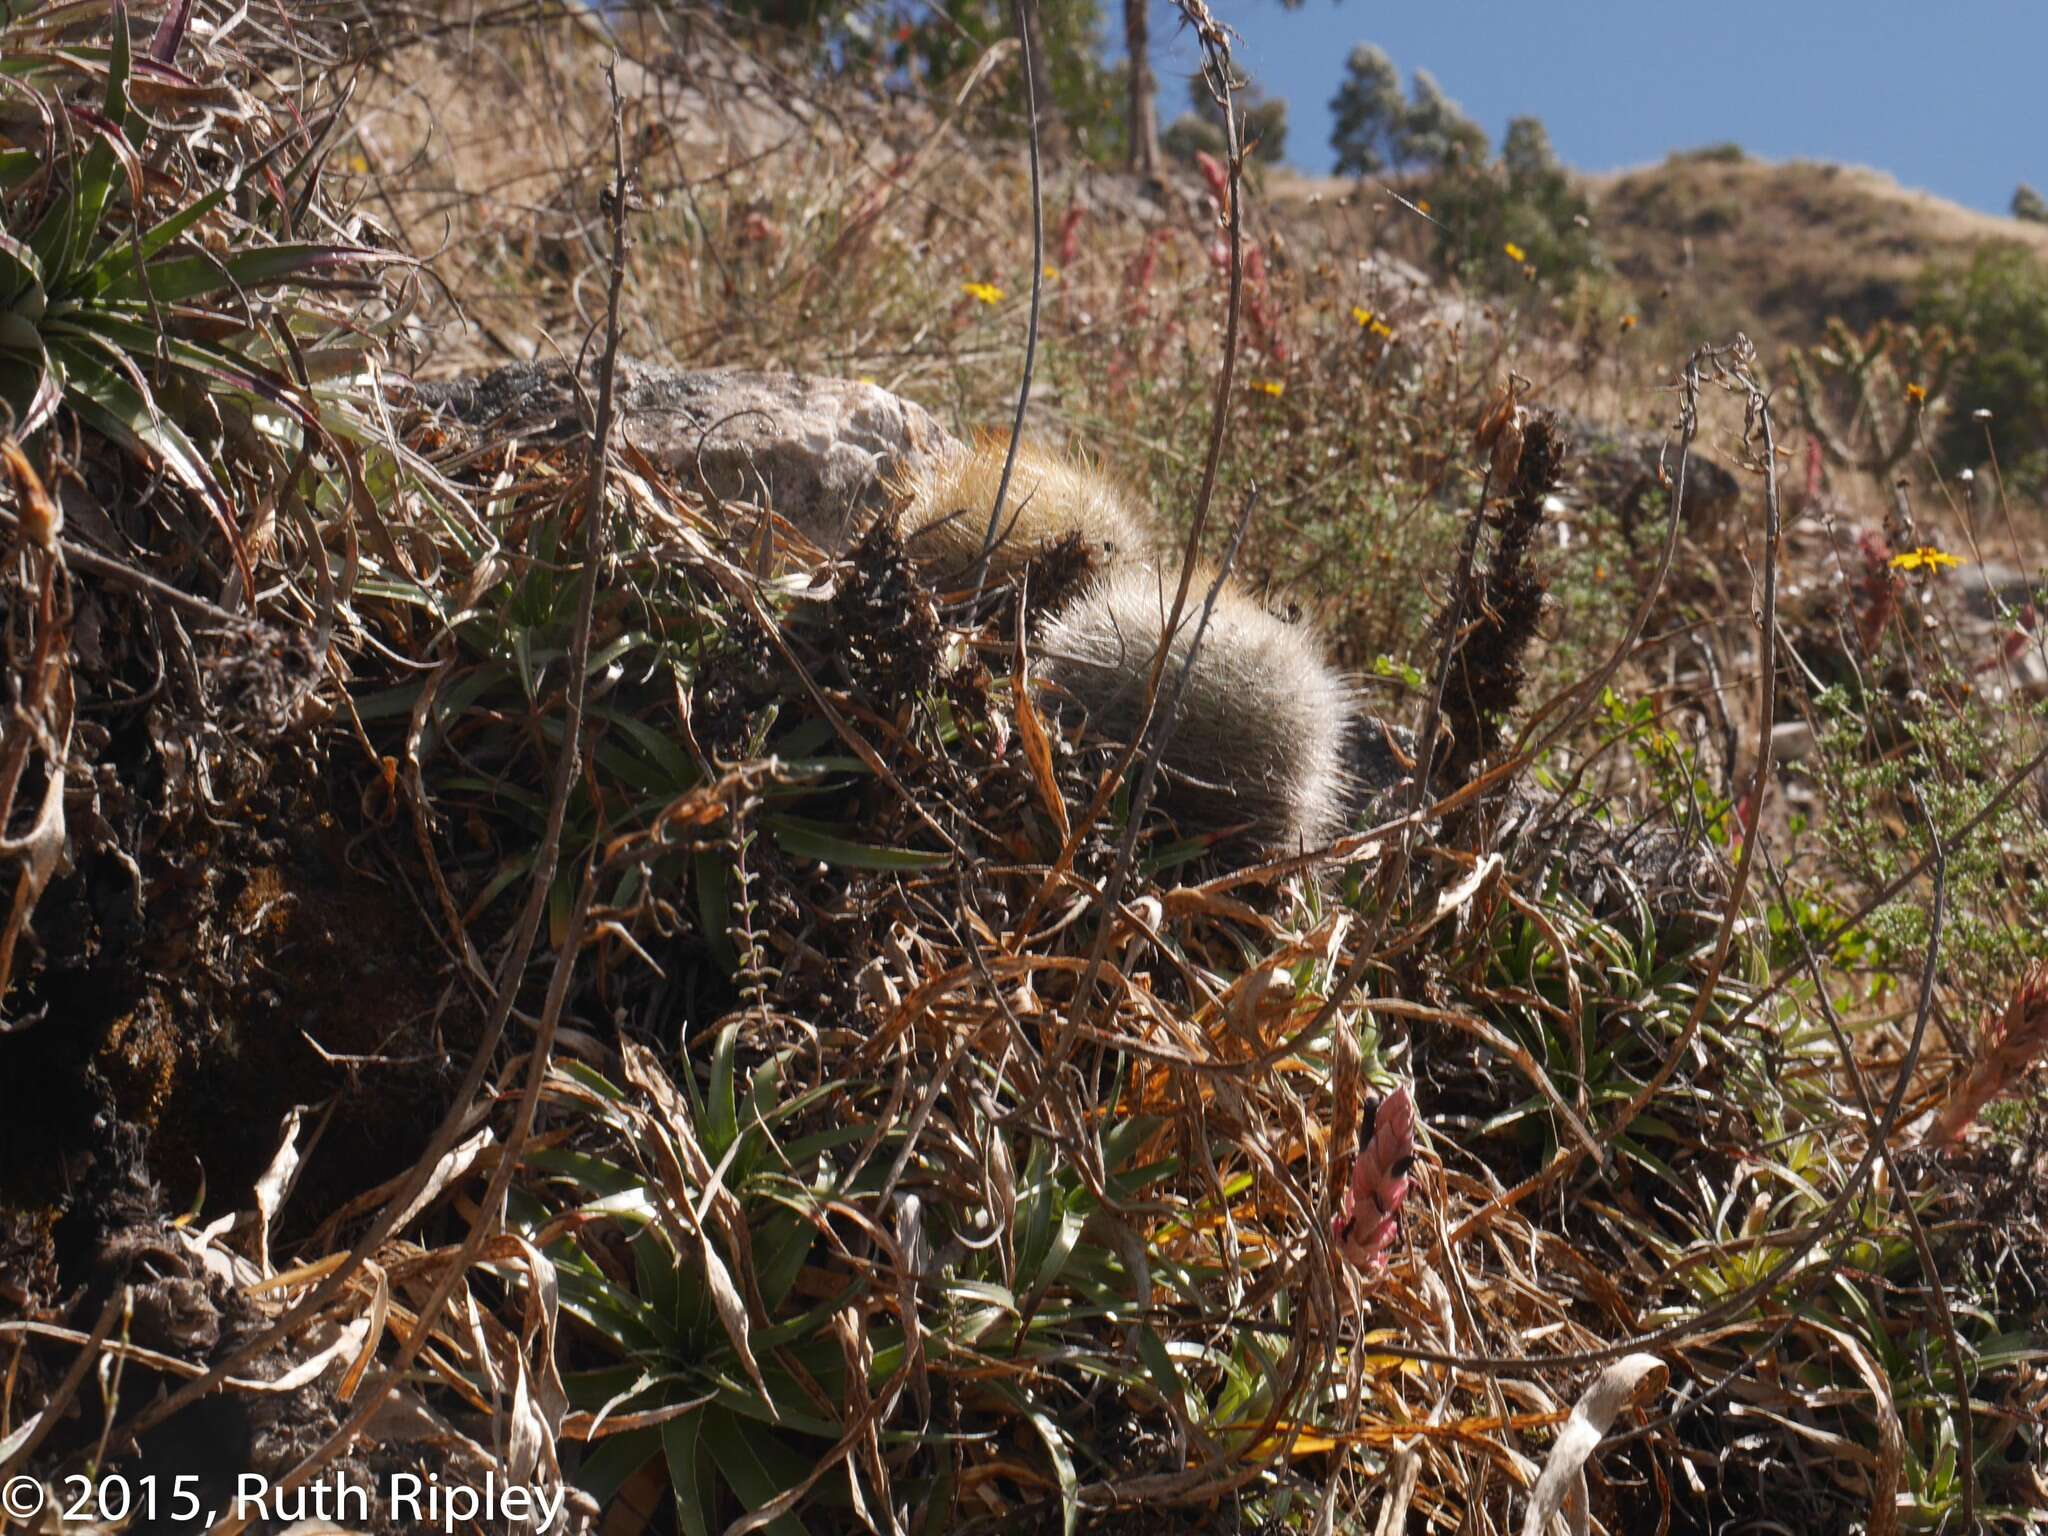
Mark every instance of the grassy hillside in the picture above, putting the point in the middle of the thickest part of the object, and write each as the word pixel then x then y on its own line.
pixel 1715 241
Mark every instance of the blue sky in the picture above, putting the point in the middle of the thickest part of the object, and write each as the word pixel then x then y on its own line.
pixel 1948 95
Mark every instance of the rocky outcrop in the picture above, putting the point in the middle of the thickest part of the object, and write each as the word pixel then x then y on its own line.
pixel 821 453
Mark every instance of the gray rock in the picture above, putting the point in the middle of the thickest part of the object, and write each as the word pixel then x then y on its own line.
pixel 1791 741
pixel 821 453
pixel 1998 614
pixel 1618 469
pixel 1997 593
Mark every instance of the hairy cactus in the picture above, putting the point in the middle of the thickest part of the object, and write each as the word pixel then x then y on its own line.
pixel 1893 377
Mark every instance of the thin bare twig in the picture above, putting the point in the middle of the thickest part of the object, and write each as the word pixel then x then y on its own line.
pixel 1758 423
pixel 995 512
pixel 1147 736
pixel 1966 1433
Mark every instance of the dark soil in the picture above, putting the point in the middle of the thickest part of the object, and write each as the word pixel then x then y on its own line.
pixel 197 1025
pixel 223 918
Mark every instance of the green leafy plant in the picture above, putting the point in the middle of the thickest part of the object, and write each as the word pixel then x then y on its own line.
pixel 768 1293
pixel 1503 223
pixel 728 1403
pixel 128 295
pixel 1998 306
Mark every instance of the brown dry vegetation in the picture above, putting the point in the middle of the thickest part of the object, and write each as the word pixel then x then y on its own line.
pixel 749 1062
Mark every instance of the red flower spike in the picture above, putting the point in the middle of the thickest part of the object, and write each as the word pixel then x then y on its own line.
pixel 2007 1048
pixel 1070 237
pixel 1369 1219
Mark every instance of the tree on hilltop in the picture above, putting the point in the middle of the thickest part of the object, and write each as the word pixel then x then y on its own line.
pixel 1368 113
pixel 1437 133
pixel 1261 122
pixel 1374 129
pixel 1526 155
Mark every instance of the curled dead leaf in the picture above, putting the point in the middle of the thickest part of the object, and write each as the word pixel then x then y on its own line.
pixel 1561 1489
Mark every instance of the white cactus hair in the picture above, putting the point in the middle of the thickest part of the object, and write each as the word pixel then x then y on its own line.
pixel 1264 728
pixel 1051 496
pixel 1262 739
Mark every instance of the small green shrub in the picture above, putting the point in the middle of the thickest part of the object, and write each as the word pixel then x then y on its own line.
pixel 1725 153
pixel 1188 135
pixel 1504 224
pixel 1998 305
pixel 1499 224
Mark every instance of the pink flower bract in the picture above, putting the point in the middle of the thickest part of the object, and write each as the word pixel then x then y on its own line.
pixel 1369 1218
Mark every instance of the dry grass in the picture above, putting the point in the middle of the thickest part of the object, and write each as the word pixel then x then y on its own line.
pixel 1706 246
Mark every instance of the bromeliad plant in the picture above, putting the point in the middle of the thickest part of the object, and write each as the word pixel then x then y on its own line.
pixel 149 281
pixel 765 1332
pixel 675 1266
pixel 799 1301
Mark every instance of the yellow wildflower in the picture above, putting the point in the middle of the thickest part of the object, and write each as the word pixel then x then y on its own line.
pixel 1384 332
pixel 1925 558
pixel 1515 252
pixel 1271 387
pixel 1628 322
pixel 1916 394
pixel 1362 316
pixel 1052 274
pixel 986 293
